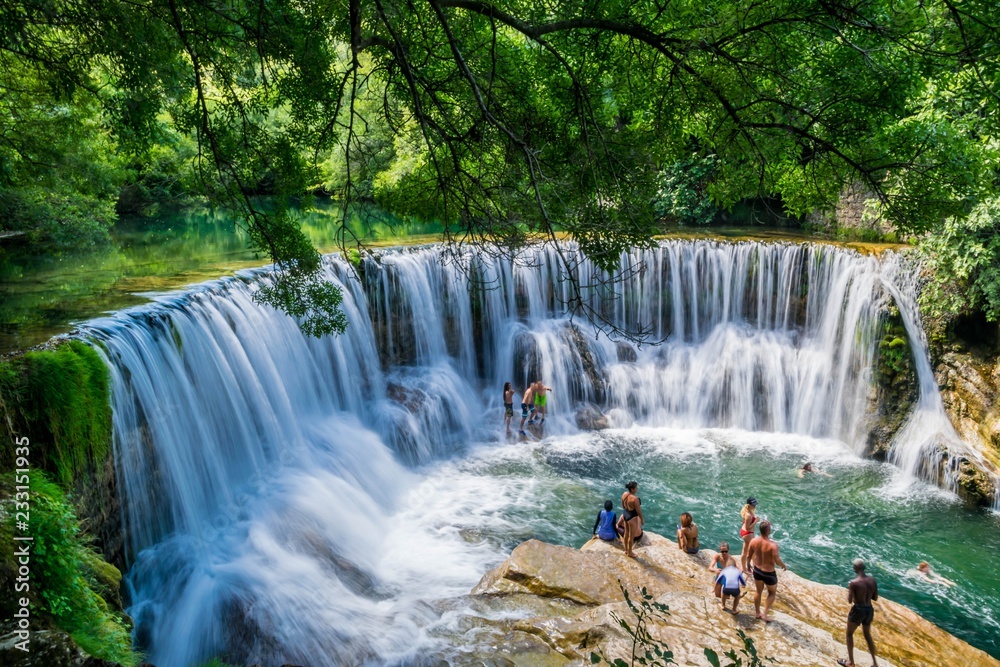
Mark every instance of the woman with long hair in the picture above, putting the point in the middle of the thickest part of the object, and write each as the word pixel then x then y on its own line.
pixel 749 516
pixel 632 515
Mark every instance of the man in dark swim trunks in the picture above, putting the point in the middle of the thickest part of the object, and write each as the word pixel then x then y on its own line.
pixel 861 592
pixel 763 554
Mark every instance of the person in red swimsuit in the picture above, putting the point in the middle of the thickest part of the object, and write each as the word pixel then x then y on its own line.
pixel 748 513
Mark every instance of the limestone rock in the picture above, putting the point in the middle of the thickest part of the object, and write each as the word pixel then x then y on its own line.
pixel 590 418
pixel 567 597
pixel 970 389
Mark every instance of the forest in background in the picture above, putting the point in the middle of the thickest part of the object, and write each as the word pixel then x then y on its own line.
pixel 506 121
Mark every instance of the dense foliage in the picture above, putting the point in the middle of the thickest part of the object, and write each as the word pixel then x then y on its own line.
pixel 60 398
pixel 511 118
pixel 963 258
pixel 70 583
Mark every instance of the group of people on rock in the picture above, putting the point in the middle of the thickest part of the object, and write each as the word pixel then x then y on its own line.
pixel 759 559
pixel 533 404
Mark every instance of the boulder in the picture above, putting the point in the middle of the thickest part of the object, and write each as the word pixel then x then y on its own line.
pixel 47 647
pixel 590 418
pixel 626 353
pixel 411 398
pixel 568 598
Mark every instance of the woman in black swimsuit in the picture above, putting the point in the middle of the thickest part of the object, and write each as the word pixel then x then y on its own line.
pixel 632 516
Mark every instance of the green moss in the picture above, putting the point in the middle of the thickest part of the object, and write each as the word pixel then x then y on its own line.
pixel 104 578
pixel 60 399
pixel 65 580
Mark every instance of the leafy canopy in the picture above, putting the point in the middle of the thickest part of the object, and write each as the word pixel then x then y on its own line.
pixel 513 118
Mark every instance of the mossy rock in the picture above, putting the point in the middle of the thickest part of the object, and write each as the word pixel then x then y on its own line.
pixel 70 582
pixel 60 399
pixel 104 578
pixel 974 485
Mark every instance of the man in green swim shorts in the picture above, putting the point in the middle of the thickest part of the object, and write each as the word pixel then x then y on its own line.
pixel 540 400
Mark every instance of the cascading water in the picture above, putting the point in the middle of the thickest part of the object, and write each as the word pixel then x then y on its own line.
pixel 260 468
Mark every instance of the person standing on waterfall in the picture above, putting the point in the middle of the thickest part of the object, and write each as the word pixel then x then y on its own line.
pixel 632 515
pixel 861 592
pixel 527 401
pixel 749 516
pixel 763 555
pixel 540 400
pixel 508 404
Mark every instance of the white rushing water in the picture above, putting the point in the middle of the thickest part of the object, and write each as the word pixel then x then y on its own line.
pixel 264 472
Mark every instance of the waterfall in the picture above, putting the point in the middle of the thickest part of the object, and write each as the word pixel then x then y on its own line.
pixel 927 446
pixel 260 467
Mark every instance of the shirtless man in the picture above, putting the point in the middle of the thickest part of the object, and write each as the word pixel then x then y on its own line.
pixel 763 554
pixel 540 400
pixel 527 401
pixel 861 592
pixel 721 561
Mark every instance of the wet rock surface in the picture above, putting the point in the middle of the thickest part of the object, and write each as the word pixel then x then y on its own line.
pixel 49 648
pixel 970 389
pixel 566 597
pixel 590 418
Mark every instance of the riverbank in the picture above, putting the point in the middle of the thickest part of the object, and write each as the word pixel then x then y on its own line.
pixel 568 597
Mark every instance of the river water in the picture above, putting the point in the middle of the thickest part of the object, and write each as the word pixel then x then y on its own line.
pixel 44 293
pixel 332 501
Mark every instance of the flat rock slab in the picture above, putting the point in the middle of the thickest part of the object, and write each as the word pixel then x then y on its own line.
pixel 808 626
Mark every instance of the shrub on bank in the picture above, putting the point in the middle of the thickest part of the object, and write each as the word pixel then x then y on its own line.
pixel 68 581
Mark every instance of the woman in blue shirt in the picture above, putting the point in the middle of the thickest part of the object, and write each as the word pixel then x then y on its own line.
pixel 604 527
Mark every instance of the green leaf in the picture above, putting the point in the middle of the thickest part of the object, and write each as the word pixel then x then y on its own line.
pixel 713 657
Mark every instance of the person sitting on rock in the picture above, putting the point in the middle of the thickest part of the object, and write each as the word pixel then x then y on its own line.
pixel 620 529
pixel 721 561
pixel 687 534
pixel 604 527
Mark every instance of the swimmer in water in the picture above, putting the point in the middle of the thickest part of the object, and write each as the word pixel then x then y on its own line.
pixel 925 572
pixel 808 467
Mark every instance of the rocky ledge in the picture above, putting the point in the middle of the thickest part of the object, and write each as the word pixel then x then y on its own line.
pixel 564 600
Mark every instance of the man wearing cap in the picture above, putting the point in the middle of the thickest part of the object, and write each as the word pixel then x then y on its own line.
pixel 861 592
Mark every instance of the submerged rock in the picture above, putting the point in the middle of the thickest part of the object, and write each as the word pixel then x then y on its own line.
pixel 808 629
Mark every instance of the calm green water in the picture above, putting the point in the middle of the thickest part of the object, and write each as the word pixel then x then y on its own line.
pixel 552 490
pixel 44 294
